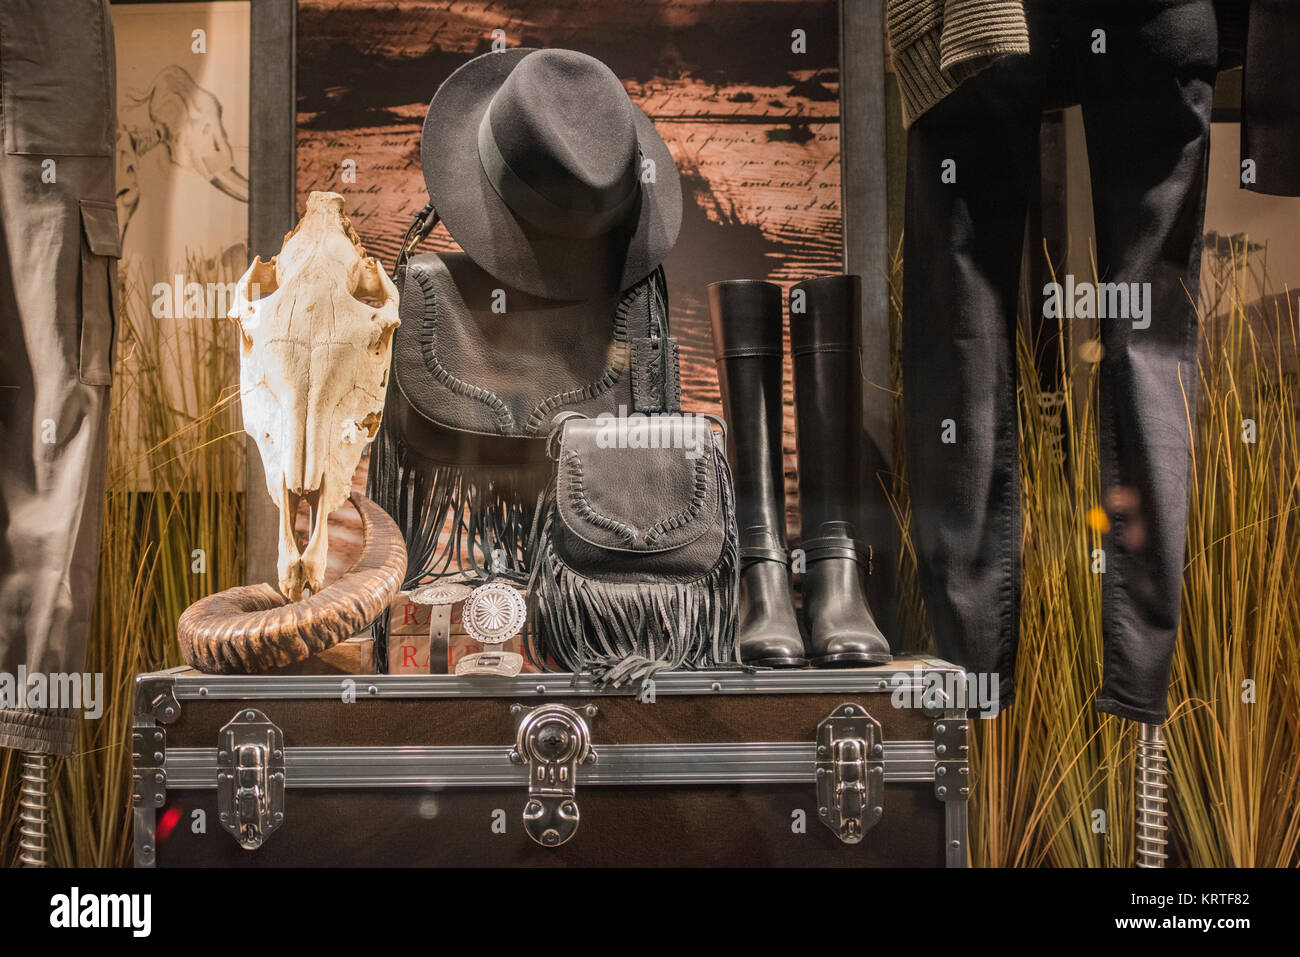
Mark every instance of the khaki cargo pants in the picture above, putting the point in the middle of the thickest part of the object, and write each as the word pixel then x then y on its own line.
pixel 59 244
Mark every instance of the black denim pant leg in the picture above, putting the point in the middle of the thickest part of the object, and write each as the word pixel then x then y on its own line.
pixel 962 250
pixel 1146 106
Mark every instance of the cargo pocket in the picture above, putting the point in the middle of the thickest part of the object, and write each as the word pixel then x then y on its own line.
pixel 56 90
pixel 101 247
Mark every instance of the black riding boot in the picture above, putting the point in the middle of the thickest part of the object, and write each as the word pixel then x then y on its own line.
pixel 824 337
pixel 747 345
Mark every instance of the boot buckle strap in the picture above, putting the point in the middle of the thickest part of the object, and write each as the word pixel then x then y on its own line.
pixel 819 549
pixel 758 543
pixel 763 553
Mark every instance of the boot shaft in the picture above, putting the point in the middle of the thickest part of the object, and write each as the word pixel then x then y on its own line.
pixel 746 317
pixel 748 348
pixel 825 341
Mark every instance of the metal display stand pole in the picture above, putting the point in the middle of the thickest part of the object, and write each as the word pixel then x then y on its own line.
pixel 34 809
pixel 1151 803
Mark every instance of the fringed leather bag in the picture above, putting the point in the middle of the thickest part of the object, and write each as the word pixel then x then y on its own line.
pixel 479 372
pixel 637 565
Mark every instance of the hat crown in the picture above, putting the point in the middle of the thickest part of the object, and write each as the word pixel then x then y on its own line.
pixel 564 125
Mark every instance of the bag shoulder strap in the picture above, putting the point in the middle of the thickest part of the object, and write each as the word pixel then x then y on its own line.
pixel 425 220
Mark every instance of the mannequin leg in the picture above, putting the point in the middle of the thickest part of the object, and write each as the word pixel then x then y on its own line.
pixel 970 160
pixel 1146 106
pixel 59 290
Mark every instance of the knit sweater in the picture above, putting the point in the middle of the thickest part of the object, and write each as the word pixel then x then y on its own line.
pixel 938 44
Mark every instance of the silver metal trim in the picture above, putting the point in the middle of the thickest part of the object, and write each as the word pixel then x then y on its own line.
pixel 956 833
pixel 146 821
pixel 154 697
pixel 620 764
pixel 145 816
pixel 192 687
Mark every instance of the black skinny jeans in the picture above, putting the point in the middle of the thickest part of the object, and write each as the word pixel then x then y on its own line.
pixel 1146 109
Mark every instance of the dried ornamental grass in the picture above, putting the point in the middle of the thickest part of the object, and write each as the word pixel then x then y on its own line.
pixel 1052 779
pixel 1232 736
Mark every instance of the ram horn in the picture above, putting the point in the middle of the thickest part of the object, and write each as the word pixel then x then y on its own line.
pixel 253 628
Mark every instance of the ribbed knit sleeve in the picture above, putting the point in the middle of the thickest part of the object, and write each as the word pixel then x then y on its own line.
pixel 938 44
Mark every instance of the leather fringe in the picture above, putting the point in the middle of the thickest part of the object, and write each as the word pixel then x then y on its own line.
pixel 489 515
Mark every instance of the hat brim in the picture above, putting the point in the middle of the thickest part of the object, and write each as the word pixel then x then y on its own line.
pixel 520 255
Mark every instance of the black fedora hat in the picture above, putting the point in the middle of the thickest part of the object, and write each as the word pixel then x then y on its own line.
pixel 534 159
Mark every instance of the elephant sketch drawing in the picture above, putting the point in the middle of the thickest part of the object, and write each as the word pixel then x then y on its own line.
pixel 171 129
pixel 182 144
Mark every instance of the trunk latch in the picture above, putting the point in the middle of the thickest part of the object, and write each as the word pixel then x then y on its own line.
pixel 250 778
pixel 552 741
pixel 850 772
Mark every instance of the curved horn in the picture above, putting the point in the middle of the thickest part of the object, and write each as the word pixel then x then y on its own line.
pixel 253 628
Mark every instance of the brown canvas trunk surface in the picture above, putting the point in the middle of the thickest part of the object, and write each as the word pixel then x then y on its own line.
pixel 854 767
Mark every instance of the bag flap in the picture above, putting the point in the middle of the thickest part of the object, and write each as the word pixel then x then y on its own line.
pixel 475 356
pixel 637 483
pixel 99 221
pixel 430 389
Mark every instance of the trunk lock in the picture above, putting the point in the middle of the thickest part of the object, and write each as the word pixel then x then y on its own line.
pixel 250 778
pixel 552 741
pixel 850 772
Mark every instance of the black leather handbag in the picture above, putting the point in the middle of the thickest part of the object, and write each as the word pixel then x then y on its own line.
pixel 637 565
pixel 479 372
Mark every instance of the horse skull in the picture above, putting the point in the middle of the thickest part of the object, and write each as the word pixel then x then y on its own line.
pixel 316 331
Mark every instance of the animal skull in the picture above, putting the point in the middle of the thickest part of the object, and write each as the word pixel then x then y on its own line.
pixel 316 332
